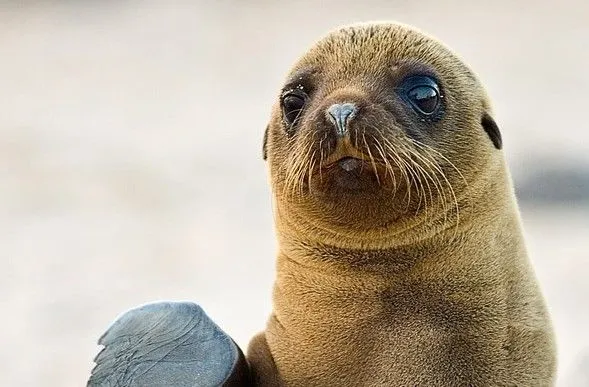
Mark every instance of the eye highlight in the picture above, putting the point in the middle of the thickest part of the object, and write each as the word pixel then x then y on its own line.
pixel 293 102
pixel 424 98
pixel 422 93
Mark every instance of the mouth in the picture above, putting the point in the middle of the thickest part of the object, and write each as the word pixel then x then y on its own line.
pixel 352 163
pixel 347 157
pixel 351 170
pixel 349 164
pixel 345 164
pixel 348 175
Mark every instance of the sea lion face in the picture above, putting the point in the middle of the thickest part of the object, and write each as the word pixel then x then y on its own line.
pixel 378 127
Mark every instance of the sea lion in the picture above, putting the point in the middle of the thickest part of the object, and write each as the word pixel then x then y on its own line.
pixel 401 258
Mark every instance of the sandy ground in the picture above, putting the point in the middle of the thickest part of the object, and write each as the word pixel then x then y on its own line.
pixel 113 191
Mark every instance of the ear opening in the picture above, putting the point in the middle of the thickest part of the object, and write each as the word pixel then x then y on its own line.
pixel 265 144
pixel 492 130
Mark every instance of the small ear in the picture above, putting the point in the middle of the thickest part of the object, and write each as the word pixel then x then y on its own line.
pixel 265 144
pixel 492 130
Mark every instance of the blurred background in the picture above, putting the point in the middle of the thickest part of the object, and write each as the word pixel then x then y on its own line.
pixel 117 119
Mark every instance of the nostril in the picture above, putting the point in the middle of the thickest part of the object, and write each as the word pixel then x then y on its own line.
pixel 342 109
pixel 339 114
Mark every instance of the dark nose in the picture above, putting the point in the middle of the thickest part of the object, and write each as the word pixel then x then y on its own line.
pixel 339 114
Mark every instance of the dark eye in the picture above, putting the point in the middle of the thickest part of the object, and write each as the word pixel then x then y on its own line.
pixel 292 106
pixel 424 98
pixel 422 93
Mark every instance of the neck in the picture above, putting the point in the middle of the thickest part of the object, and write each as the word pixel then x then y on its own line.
pixel 322 276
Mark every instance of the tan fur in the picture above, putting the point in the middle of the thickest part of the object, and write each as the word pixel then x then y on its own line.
pixel 411 284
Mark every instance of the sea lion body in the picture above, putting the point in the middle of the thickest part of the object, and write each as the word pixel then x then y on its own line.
pixel 401 257
pixel 387 276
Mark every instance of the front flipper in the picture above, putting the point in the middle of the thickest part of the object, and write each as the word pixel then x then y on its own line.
pixel 172 344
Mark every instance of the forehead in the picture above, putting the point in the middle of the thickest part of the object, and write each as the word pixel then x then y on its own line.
pixel 375 50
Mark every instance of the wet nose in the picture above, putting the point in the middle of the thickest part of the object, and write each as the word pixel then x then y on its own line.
pixel 339 114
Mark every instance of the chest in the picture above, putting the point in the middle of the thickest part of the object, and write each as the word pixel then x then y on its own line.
pixel 420 335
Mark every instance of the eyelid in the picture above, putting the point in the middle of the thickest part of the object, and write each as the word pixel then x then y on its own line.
pixel 419 80
pixel 298 91
pixel 301 78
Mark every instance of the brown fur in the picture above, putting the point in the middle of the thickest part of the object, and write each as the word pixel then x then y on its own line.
pixel 420 277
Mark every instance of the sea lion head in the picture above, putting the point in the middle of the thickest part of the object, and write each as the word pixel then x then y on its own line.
pixel 378 128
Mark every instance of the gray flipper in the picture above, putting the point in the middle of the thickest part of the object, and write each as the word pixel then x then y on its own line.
pixel 172 344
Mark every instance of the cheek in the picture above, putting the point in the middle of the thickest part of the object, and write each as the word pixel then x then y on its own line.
pixel 396 114
pixel 469 156
pixel 279 151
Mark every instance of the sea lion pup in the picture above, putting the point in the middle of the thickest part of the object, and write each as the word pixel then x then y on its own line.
pixel 401 259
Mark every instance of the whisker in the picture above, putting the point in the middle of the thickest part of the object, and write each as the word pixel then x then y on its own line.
pixel 321 156
pixel 371 158
pixel 388 166
pixel 402 167
pixel 311 166
pixel 430 175
pixel 428 148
